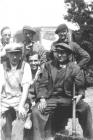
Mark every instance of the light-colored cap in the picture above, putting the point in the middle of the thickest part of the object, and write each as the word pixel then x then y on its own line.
pixel 14 47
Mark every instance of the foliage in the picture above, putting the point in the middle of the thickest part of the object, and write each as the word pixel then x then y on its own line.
pixel 79 12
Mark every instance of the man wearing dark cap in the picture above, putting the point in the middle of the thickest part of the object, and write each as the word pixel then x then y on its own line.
pixel 55 92
pixel 31 45
pixel 80 55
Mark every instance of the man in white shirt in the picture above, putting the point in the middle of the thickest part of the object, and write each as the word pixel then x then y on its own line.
pixel 5 39
pixel 15 81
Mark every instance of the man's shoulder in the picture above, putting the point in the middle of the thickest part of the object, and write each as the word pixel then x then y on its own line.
pixel 73 66
pixel 55 42
pixel 1 46
pixel 48 64
pixel 25 65
pixel 1 66
pixel 74 44
pixel 1 69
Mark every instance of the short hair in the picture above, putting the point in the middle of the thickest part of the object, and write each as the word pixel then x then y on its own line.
pixel 4 28
pixel 34 53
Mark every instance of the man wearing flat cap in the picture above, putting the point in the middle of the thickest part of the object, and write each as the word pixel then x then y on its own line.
pixel 31 45
pixel 80 55
pixel 55 92
pixel 15 79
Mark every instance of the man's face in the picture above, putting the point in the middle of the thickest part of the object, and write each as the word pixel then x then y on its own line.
pixel 6 35
pixel 14 57
pixel 28 35
pixel 61 56
pixel 63 35
pixel 34 62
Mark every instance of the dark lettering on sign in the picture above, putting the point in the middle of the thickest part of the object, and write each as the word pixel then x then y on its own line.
pixel 49 36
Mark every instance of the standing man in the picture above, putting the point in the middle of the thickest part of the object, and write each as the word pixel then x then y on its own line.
pixel 80 55
pixel 55 90
pixel 31 46
pixel 5 39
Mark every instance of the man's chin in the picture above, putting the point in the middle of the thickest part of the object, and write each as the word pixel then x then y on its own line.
pixel 34 68
pixel 14 63
pixel 61 61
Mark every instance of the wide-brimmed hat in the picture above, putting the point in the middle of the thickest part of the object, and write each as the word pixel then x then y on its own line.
pixel 30 29
pixel 14 47
pixel 63 47
pixel 61 28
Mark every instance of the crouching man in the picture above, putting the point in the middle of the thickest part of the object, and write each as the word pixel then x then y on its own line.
pixel 55 90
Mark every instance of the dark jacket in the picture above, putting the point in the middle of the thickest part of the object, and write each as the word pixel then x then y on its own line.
pixel 54 82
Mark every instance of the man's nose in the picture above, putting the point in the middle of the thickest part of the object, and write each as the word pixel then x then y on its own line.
pixel 14 57
pixel 27 35
pixel 33 62
pixel 59 54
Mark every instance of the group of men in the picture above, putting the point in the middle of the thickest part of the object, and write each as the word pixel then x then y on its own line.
pixel 26 73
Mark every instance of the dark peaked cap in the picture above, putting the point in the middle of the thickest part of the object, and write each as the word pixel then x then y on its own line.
pixel 29 29
pixel 63 46
pixel 61 27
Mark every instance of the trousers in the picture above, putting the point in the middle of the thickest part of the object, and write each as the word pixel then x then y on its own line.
pixel 43 122
pixel 10 116
pixel 6 132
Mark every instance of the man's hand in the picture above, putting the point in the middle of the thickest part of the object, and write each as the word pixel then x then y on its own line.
pixel 77 98
pixel 42 105
pixel 22 112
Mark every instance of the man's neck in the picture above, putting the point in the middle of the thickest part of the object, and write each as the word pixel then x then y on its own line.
pixel 63 40
pixel 28 41
pixel 33 73
pixel 13 67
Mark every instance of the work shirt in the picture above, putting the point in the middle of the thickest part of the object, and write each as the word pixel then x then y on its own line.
pixel 12 82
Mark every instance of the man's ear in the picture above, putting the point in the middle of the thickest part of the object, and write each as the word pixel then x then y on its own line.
pixel 70 57
pixel 38 62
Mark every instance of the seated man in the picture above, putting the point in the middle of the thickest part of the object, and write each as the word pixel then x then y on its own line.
pixel 14 87
pixel 34 62
pixel 55 90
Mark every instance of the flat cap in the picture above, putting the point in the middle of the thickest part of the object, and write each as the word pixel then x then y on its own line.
pixel 14 47
pixel 63 46
pixel 61 28
pixel 30 29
